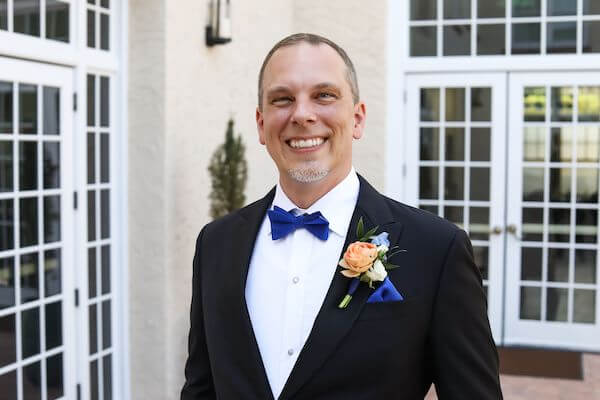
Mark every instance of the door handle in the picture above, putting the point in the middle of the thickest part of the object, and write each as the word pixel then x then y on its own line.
pixel 512 229
pixel 496 230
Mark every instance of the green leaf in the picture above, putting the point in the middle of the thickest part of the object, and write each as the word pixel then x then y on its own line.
pixel 371 232
pixel 395 252
pixel 360 228
pixel 389 266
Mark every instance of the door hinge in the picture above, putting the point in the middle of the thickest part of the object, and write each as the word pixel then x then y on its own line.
pixel 74 101
pixel 76 297
pixel 404 96
pixel 404 170
pixel 78 391
pixel 75 200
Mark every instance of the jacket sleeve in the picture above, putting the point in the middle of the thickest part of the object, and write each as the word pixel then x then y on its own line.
pixel 198 377
pixel 465 359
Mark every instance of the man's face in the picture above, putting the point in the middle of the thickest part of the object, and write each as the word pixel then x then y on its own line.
pixel 308 118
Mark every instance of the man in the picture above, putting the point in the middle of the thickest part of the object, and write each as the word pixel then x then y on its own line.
pixel 265 320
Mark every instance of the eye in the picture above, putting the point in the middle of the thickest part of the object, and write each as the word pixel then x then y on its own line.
pixel 326 95
pixel 280 101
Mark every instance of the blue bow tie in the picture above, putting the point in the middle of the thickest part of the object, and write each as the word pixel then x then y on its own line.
pixel 284 222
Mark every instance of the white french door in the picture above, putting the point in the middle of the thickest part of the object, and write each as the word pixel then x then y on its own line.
pixel 552 256
pixel 527 195
pixel 455 156
pixel 37 308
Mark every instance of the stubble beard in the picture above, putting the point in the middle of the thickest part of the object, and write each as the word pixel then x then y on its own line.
pixel 309 172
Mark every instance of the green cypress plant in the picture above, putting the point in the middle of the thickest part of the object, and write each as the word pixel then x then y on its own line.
pixel 229 172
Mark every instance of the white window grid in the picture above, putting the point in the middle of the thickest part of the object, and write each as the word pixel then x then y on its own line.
pixel 100 11
pixel 507 21
pixel 10 20
pixel 572 245
pixel 441 163
pixel 40 248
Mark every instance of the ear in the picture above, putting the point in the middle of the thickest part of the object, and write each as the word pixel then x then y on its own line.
pixel 260 126
pixel 360 115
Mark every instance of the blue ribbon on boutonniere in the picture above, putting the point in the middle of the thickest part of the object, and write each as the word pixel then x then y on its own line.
pixel 366 260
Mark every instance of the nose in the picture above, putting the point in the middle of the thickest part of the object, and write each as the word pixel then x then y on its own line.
pixel 303 113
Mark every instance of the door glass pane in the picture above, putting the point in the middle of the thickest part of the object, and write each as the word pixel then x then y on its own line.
pixel 7 224
pixel 57 20
pixel 558 265
pixel 584 307
pixel 52 272
pixel 107 376
pixel 94 395
pixel 106 318
pixel 480 144
pixel 91 222
pixel 93 328
pixel 428 182
pixel 26 17
pixel 455 144
pixel 8 355
pixel 531 264
pixel 559 225
pixel 588 144
pixel 104 31
pixel 557 302
pixel 3 22
pixel 457 9
pixel 423 9
pixel 455 104
pixel 30 332
pixel 423 41
pixel 587 185
pixel 104 214
pixel 91 100
pixel 31 382
pixel 51 165
pixel 104 101
pixel 430 144
pixel 526 38
pixel 28 109
pixel 491 8
pixel 534 143
pixel 6 107
pixel 591 7
pixel 561 144
pixel 481 258
pixel 454 183
pixel 54 376
pixel 562 103
pixel 30 284
pixel 104 158
pixel 105 269
pixel 430 104
pixel 53 325
pixel 91 158
pixel 560 184
pixel 457 40
pixel 29 221
pixel 586 228
pixel 534 102
pixel 589 104
pixel 6 166
pixel 51 219
pixel 7 283
pixel 533 184
pixel 454 215
pixel 91 28
pixel 479 222
pixel 530 8
pixel 491 39
pixel 481 104
pixel 530 303
pixel 480 184
pixel 8 380
pixel 585 266
pixel 561 37
pixel 591 36
pixel 533 224
pixel 92 272
pixel 562 7
pixel 51 110
pixel 28 165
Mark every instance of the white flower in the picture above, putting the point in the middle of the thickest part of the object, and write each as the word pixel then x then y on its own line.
pixel 377 272
pixel 382 249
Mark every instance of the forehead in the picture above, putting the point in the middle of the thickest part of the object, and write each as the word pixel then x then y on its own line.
pixel 304 62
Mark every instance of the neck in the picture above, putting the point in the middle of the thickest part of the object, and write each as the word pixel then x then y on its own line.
pixel 305 195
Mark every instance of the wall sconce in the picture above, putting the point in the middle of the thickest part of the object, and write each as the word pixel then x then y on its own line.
pixel 218 27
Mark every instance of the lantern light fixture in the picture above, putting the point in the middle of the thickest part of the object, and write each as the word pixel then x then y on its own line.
pixel 218 26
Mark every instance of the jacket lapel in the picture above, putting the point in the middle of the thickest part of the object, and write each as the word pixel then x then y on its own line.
pixel 247 351
pixel 332 323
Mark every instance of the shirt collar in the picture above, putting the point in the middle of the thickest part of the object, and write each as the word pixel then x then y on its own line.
pixel 337 205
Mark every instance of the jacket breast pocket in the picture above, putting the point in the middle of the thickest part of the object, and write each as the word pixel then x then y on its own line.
pixel 389 310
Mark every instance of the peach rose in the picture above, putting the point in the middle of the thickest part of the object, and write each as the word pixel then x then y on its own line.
pixel 358 258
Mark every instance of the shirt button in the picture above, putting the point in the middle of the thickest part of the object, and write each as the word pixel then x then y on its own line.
pixel 290 352
pixel 296 279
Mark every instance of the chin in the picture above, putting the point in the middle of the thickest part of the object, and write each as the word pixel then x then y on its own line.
pixel 308 173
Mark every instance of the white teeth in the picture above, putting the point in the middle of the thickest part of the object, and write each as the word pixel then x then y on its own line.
pixel 300 144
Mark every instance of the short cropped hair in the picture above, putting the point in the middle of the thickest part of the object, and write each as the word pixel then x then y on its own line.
pixel 314 40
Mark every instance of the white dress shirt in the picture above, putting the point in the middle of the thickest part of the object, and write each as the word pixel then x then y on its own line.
pixel 288 278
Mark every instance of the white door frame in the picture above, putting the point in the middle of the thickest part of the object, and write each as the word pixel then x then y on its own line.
pixel 497 81
pixel 62 77
pixel 529 332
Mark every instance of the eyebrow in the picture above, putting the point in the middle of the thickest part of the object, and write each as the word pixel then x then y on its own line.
pixel 280 89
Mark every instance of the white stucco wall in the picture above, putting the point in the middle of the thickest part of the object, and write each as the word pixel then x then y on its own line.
pixel 182 94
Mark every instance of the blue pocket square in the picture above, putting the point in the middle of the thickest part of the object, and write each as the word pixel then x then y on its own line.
pixel 386 292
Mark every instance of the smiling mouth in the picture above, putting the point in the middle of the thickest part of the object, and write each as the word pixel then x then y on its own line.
pixel 305 143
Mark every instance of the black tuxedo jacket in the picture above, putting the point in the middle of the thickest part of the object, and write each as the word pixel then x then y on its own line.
pixel 440 333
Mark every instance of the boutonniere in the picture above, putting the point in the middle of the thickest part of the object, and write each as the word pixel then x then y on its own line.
pixel 366 260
